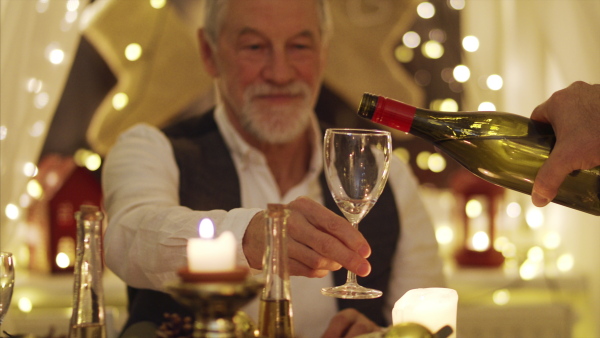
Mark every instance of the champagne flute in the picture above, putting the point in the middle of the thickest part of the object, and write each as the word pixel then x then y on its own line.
pixel 356 167
pixel 7 281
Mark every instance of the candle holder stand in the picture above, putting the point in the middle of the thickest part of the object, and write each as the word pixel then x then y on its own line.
pixel 215 299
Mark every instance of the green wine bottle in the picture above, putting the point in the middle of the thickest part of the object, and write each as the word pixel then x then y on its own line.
pixel 502 148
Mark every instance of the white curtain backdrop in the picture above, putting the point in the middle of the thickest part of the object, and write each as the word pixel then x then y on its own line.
pixel 538 47
pixel 34 32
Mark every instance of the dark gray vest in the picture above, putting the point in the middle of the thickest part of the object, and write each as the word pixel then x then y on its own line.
pixel 208 180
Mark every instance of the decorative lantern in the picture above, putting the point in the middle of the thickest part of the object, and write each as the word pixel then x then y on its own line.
pixel 477 205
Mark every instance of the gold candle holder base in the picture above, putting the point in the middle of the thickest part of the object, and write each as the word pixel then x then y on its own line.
pixel 215 300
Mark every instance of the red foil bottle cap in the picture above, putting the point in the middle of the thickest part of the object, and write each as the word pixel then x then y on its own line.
pixel 394 114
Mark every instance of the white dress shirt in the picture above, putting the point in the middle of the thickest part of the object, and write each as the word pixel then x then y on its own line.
pixel 145 241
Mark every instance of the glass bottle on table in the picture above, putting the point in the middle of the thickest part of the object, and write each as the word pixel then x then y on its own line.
pixel 502 148
pixel 7 282
pixel 275 312
pixel 87 319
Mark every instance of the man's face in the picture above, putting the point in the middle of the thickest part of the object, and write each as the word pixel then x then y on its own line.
pixel 269 64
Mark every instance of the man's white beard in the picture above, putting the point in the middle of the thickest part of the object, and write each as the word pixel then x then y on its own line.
pixel 276 124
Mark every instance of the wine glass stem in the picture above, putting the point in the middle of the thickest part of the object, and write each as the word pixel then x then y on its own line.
pixel 351 276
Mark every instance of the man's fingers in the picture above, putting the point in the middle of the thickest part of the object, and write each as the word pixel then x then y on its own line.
pixel 540 113
pixel 326 237
pixel 317 241
pixel 320 250
pixel 327 221
pixel 310 258
pixel 296 268
pixel 549 178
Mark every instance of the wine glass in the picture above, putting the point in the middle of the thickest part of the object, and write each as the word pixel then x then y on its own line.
pixel 7 281
pixel 356 167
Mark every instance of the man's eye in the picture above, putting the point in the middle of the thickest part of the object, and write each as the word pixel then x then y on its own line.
pixel 301 46
pixel 254 47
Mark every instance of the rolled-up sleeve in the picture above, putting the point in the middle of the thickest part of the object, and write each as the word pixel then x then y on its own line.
pixel 146 237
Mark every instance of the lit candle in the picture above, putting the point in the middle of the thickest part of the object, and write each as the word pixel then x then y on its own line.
pixel 208 254
pixel 433 308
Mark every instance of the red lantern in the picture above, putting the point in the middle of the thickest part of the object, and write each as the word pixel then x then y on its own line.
pixel 477 206
pixel 66 187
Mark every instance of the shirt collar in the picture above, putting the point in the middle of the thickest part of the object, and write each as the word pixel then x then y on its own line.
pixel 236 144
pixel 246 153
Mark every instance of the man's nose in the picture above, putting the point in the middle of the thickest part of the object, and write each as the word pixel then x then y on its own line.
pixel 279 69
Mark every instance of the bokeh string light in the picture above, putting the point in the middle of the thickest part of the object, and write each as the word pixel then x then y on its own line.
pixel 42 39
pixel 431 45
pixel 429 50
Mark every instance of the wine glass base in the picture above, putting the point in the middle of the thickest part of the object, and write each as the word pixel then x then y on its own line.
pixel 351 291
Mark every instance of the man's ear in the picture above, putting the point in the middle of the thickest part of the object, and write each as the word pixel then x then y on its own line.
pixel 207 54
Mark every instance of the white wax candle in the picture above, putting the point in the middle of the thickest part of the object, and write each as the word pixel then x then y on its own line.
pixel 433 308
pixel 206 254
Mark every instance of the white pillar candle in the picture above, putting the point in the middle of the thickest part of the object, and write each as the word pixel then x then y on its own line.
pixel 208 254
pixel 433 308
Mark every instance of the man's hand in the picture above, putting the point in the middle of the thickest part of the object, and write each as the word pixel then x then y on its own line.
pixel 319 241
pixel 349 323
pixel 574 113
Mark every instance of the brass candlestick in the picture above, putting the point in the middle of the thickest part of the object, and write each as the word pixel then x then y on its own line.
pixel 215 299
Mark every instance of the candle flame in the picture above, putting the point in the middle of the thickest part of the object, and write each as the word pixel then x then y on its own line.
pixel 206 229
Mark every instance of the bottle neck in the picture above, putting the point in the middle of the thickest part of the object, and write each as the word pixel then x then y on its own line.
pixel 277 281
pixel 391 113
pixel 89 241
pixel 437 126
pixel 395 114
pixel 88 294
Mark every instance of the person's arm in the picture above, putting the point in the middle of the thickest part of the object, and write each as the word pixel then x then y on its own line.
pixel 417 262
pixel 145 241
pixel 574 113
pixel 319 241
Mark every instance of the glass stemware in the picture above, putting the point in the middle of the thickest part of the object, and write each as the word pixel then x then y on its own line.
pixel 356 163
pixel 7 281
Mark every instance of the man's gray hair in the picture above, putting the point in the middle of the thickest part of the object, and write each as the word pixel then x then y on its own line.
pixel 214 9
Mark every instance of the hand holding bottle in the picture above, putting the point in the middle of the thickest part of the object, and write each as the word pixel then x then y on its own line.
pixel 508 149
pixel 319 241
pixel 574 113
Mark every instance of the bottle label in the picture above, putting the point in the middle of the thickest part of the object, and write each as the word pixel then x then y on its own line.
pixel 394 114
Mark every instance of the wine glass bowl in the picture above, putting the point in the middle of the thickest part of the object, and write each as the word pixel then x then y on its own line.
pixel 7 281
pixel 356 164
